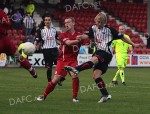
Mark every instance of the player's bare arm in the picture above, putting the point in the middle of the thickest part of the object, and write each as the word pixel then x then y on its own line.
pixel 71 42
pixel 82 37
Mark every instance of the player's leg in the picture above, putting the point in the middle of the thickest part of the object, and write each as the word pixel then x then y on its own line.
pixel 75 87
pixel 122 76
pixel 100 83
pixel 114 81
pixel 22 58
pixel 87 65
pixel 48 63
pixel 11 50
pixel 55 54
pixel 119 62
pixel 52 84
pixel 100 69
pixel 75 82
pixel 122 73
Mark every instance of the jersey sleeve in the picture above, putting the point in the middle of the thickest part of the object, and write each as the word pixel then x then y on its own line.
pixel 125 35
pixel 86 41
pixel 56 36
pixel 90 33
pixel 63 37
pixel 113 44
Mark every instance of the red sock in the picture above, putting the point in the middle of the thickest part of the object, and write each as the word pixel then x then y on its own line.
pixel 75 86
pixel 24 63
pixel 50 87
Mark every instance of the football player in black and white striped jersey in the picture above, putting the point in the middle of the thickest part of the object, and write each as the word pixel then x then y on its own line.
pixel 103 36
pixel 48 37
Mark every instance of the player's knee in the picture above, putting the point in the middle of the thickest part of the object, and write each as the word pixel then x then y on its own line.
pixel 56 78
pixel 97 74
pixel 73 75
pixel 20 58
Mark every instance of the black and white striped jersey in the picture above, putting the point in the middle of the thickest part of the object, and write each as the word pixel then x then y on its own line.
pixel 103 37
pixel 28 22
pixel 48 37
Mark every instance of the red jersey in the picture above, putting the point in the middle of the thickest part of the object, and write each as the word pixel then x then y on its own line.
pixel 69 53
pixel 4 22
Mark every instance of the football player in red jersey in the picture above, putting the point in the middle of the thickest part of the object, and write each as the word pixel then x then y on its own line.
pixel 9 48
pixel 69 48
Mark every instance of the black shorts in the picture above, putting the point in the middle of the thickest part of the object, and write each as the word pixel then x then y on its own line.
pixel 105 59
pixel 50 56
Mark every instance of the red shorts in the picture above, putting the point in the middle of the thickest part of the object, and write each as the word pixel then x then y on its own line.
pixel 7 46
pixel 60 67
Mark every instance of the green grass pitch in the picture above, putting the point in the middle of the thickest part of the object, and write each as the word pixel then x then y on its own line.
pixel 18 91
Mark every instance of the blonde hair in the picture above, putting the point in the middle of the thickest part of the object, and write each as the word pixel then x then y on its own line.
pixel 101 17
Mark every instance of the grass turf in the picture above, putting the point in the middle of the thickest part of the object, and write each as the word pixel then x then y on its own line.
pixel 18 92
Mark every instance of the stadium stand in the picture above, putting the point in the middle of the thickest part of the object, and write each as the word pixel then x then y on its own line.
pixel 133 15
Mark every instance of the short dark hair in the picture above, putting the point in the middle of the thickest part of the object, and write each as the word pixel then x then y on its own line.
pixel 47 16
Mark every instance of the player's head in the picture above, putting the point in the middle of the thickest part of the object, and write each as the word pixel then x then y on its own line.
pixel 69 23
pixel 100 19
pixel 122 29
pixel 47 20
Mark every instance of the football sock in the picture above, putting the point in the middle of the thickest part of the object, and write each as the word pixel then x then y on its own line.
pixel 101 85
pixel 75 86
pixel 84 66
pixel 50 87
pixel 122 76
pixel 25 63
pixel 49 74
pixel 117 75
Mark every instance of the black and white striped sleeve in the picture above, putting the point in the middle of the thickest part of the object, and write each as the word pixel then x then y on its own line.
pixel 90 33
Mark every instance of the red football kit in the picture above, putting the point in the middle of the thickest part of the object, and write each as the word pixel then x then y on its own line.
pixel 68 54
pixel 8 47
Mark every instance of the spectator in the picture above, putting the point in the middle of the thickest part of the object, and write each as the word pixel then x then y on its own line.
pixel 28 22
pixel 34 29
pixel 30 8
pixel 21 10
pixel 31 38
pixel 17 20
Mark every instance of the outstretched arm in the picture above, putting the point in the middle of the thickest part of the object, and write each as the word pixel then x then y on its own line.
pixel 72 42
pixel 130 42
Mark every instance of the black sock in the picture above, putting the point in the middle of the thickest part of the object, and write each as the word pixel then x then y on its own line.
pixel 84 66
pixel 49 74
pixel 101 85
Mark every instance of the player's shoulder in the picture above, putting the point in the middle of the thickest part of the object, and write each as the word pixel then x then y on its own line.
pixel 63 33
pixel 127 36
pixel 78 33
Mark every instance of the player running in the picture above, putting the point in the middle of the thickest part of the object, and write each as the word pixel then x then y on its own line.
pixel 121 50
